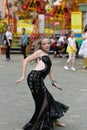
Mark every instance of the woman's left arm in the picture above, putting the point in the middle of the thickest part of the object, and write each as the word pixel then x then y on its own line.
pixel 54 83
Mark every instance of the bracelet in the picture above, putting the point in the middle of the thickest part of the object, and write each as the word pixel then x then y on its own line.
pixel 53 82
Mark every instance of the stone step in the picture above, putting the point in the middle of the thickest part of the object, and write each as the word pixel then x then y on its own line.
pixel 15 51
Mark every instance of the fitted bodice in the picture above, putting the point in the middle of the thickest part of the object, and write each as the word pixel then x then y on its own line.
pixel 35 77
pixel 47 63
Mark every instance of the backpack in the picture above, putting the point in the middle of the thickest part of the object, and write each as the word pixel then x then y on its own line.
pixel 4 39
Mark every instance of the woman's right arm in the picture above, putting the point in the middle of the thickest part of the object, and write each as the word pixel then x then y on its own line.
pixel 54 83
pixel 34 56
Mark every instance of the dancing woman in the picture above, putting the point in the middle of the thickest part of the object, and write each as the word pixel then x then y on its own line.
pixel 47 110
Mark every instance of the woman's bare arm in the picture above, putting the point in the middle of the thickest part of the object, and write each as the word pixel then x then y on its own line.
pixel 51 75
pixel 54 83
pixel 34 56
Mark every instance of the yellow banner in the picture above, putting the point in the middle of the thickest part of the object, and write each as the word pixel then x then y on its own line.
pixel 76 21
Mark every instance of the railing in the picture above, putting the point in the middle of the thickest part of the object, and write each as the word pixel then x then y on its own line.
pixel 81 1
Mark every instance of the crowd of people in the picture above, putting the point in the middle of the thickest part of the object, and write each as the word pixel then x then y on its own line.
pixel 7 41
pixel 63 46
pixel 67 46
pixel 59 45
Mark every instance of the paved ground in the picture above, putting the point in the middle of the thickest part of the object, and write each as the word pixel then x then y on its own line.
pixel 16 103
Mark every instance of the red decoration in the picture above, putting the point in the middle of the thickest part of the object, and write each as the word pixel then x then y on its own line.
pixel 25 5
pixel 54 10
pixel 56 23
pixel 41 6
pixel 9 5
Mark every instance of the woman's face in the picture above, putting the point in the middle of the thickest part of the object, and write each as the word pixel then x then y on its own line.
pixel 23 31
pixel 45 44
pixel 9 28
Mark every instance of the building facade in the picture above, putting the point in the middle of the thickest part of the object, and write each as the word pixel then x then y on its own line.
pixel 2 7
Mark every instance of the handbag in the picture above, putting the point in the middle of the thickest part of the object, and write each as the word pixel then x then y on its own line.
pixel 4 40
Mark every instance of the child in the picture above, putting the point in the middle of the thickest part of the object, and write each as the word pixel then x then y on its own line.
pixel 71 50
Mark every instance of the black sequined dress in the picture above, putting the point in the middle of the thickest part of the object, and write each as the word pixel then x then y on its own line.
pixel 46 108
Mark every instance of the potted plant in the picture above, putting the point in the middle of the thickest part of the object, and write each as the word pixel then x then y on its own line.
pixel 3 49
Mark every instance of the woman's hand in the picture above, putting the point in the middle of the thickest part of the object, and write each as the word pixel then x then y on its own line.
pixel 20 80
pixel 56 85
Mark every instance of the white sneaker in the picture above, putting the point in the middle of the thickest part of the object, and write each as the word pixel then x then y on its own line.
pixel 66 67
pixel 73 69
pixel 84 67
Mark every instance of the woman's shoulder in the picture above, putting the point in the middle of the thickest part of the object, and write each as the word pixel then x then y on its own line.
pixel 69 38
pixel 8 32
pixel 38 52
pixel 74 38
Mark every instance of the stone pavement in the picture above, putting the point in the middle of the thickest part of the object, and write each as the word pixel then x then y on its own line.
pixel 16 103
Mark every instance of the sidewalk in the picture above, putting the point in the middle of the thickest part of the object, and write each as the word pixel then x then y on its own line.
pixel 16 103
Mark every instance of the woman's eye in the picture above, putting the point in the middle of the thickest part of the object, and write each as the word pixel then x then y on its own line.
pixel 44 43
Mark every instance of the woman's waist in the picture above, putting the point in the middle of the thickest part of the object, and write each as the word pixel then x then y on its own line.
pixel 35 73
pixel 10 39
pixel 40 67
pixel 72 45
